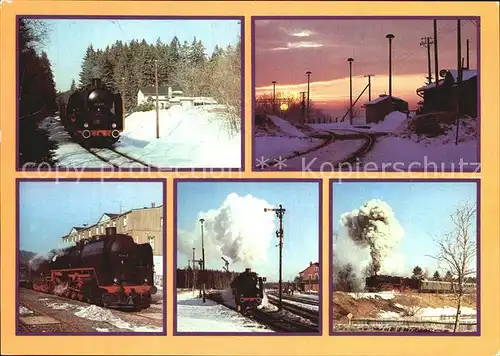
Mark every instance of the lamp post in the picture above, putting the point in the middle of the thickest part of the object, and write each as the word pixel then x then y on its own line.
pixel 203 259
pixel 308 92
pixel 157 105
pixel 390 36
pixel 274 96
pixel 350 60
pixel 279 234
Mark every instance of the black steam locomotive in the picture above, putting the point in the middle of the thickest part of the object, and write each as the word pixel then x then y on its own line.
pixel 405 284
pixel 93 114
pixel 109 270
pixel 248 290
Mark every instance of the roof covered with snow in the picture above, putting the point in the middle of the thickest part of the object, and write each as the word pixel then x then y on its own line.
pixel 382 98
pixel 466 75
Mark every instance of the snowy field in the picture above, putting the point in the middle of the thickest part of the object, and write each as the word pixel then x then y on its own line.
pixel 396 147
pixel 195 316
pixel 190 137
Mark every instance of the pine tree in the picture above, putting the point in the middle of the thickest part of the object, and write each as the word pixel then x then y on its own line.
pixel 73 85
pixel 88 66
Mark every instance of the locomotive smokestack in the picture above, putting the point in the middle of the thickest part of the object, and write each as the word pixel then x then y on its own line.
pixel 248 270
pixel 110 231
pixel 96 82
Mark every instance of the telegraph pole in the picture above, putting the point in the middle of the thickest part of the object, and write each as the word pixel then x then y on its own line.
pixel 436 66
pixel 369 85
pixel 350 60
pixel 303 105
pixel 459 73
pixel 308 92
pixel 274 96
pixel 426 42
pixel 194 268
pixel 203 260
pixel 468 55
pixel 279 234
pixel 390 36
pixel 157 105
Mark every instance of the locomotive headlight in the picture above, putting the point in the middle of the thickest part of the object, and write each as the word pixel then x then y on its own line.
pixel 145 280
pixel 115 280
pixel 113 125
pixel 85 125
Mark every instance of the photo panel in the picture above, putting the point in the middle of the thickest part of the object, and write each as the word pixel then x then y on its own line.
pixel 374 94
pixel 91 257
pixel 130 93
pixel 405 257
pixel 248 257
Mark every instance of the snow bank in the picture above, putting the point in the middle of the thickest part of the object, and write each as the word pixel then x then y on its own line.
pixel 271 147
pixel 195 316
pixel 395 122
pixel 60 306
pixel 286 127
pixel 95 313
pixel 189 137
pixel 381 295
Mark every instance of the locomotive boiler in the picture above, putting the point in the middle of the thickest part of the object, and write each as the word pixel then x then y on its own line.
pixel 109 270
pixel 248 290
pixel 93 114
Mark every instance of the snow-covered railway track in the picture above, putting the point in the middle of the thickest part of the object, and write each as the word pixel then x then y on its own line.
pixel 353 135
pixel 117 159
pixel 297 299
pixel 311 315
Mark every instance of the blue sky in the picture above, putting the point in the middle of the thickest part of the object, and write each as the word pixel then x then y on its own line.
pixel 423 210
pixel 48 210
pixel 301 229
pixel 68 39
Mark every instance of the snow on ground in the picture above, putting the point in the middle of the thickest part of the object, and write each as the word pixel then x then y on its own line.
pixel 286 127
pixel 428 313
pixel 190 137
pixel 273 147
pixel 95 313
pixel 311 295
pixel 299 304
pixel 195 316
pixel 408 151
pixel 60 306
pixel 381 295
pixel 68 153
pixel 395 122
pixel 24 311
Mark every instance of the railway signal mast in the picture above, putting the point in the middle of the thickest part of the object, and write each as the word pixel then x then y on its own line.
pixel 203 260
pixel 226 263
pixel 279 234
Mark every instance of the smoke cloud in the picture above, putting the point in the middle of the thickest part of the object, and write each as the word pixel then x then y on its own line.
pixel 368 236
pixel 239 230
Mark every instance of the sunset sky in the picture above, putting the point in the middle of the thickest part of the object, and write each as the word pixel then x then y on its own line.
pixel 286 49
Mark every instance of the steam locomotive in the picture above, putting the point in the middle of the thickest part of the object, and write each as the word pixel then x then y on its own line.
pixel 93 114
pixel 404 284
pixel 248 290
pixel 109 270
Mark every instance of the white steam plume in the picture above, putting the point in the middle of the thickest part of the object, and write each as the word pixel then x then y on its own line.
pixel 367 235
pixel 239 230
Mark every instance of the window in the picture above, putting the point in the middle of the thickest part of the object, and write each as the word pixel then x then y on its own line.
pixel 114 223
pixel 151 241
pixel 124 221
pixel 316 276
pixel 161 221
pixel 102 229
pixel 316 269
pixel 97 230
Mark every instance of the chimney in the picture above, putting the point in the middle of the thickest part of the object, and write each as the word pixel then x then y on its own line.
pixel 153 205
pixel 169 92
pixel 110 231
pixel 310 264
pixel 96 82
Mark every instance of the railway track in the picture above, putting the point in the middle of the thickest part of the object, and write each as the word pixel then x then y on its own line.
pixel 297 299
pixel 271 319
pixel 311 315
pixel 116 159
pixel 367 146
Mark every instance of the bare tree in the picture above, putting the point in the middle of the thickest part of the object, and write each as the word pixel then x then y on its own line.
pixel 457 249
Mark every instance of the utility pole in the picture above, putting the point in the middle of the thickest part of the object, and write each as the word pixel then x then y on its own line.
pixel 274 96
pixel 308 92
pixel 459 74
pixel 203 260
pixel 436 66
pixel 369 85
pixel 279 234
pixel 390 36
pixel 194 268
pixel 157 105
pixel 426 42
pixel 468 55
pixel 350 60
